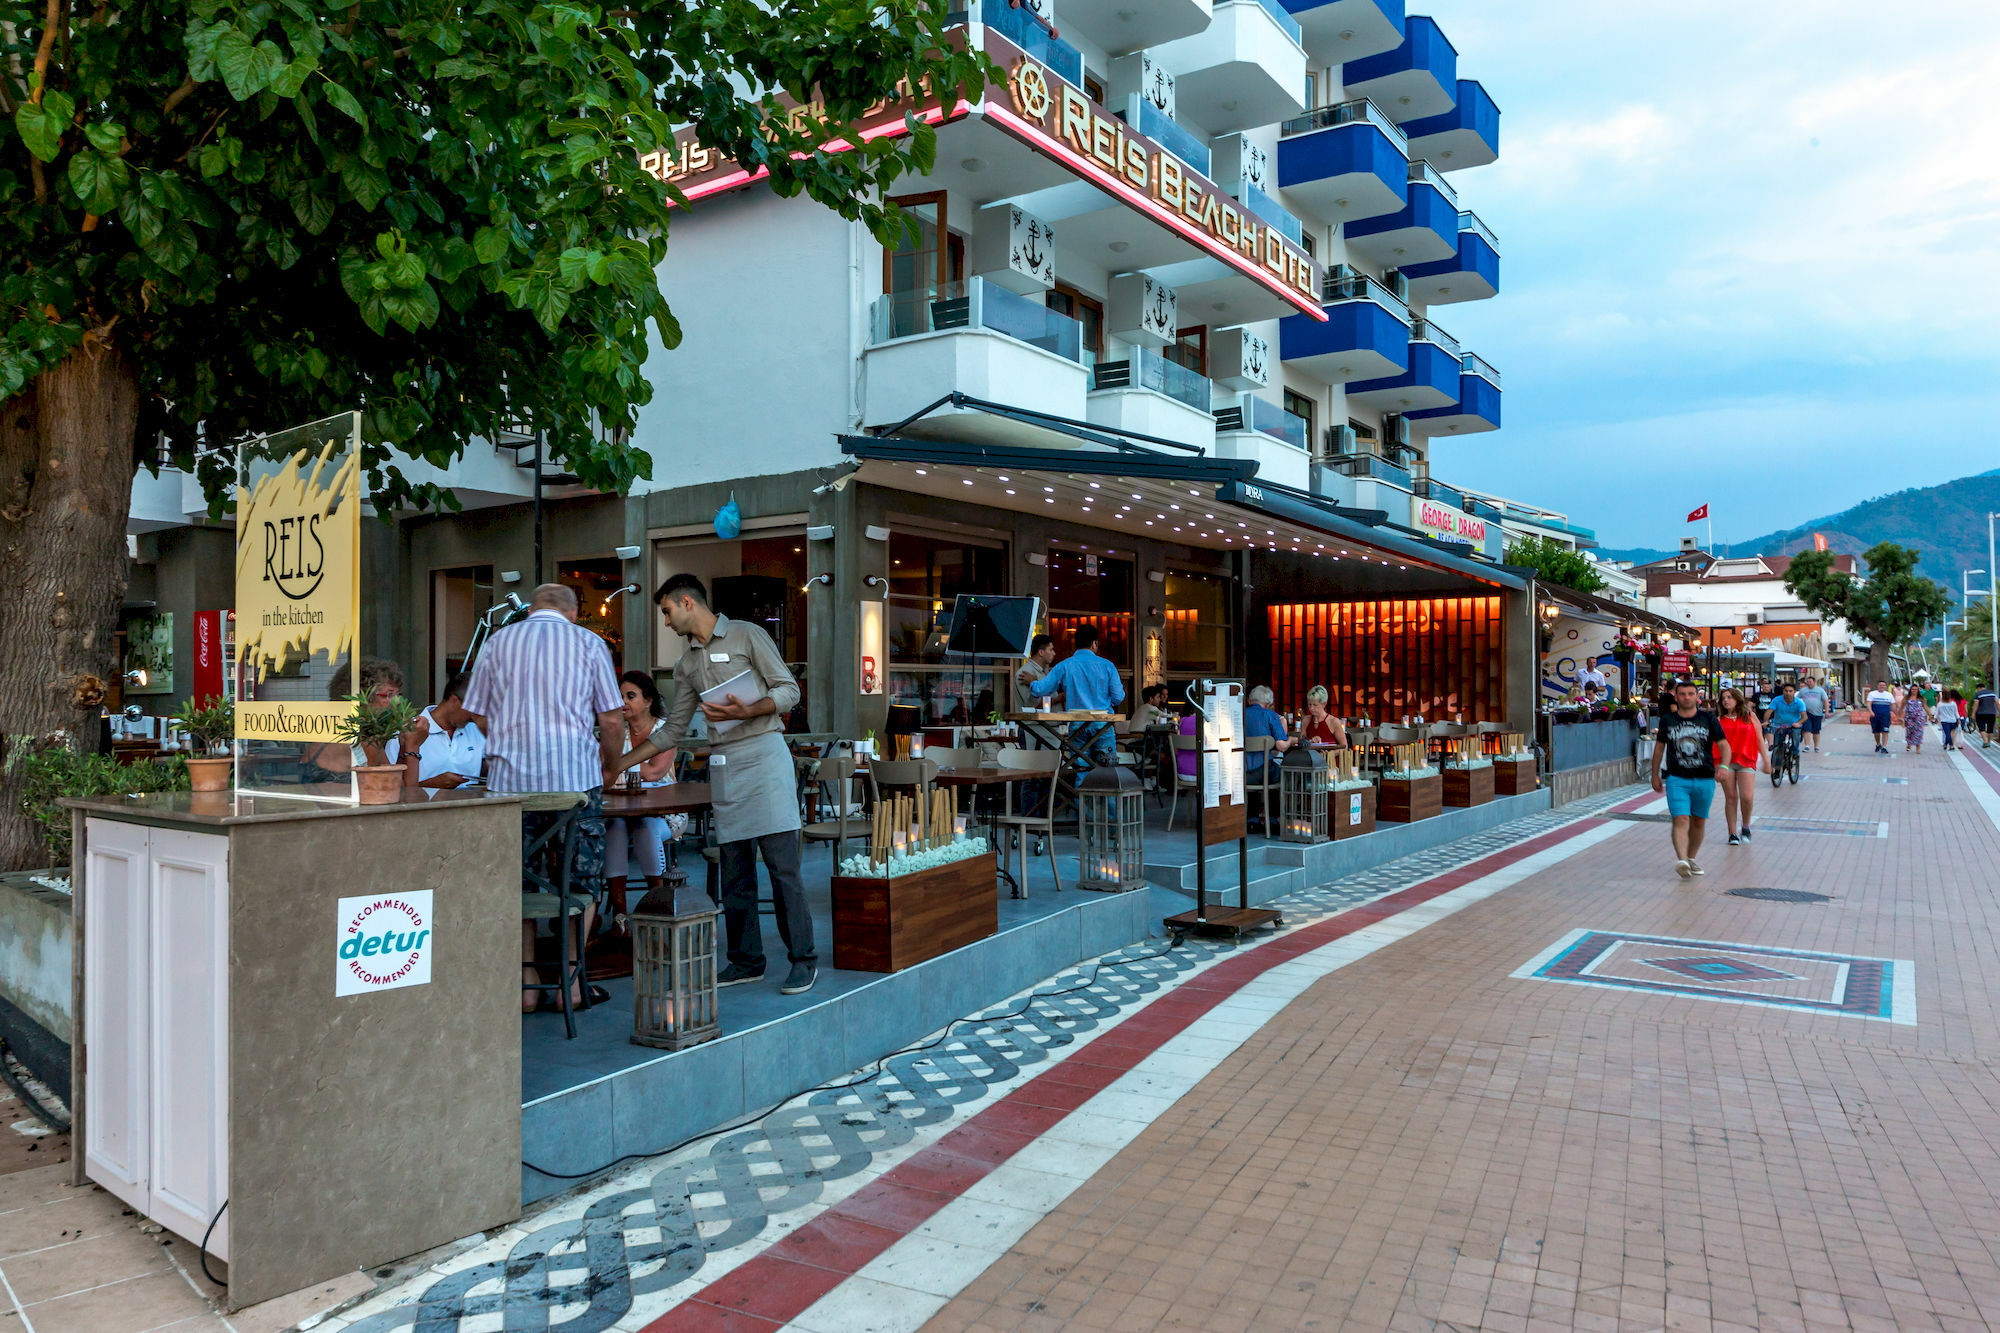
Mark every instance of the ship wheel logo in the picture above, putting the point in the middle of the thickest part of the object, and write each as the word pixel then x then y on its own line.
pixel 1030 89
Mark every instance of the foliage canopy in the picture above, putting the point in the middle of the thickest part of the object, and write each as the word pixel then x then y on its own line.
pixel 1555 563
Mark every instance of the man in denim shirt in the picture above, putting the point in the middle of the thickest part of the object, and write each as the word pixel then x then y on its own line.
pixel 1089 684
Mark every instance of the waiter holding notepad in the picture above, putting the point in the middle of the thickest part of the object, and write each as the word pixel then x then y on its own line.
pixel 734 673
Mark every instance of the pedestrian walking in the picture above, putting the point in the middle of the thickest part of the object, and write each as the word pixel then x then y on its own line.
pixel 554 720
pixel 1816 701
pixel 1915 716
pixel 1985 714
pixel 732 671
pixel 1881 707
pixel 1689 745
pixel 1950 712
pixel 1737 779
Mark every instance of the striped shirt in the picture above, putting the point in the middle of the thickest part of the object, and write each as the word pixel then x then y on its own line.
pixel 540 685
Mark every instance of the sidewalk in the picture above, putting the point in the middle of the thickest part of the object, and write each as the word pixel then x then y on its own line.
pixel 1434 1136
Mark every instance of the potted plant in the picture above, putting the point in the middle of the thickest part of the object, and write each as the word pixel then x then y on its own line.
pixel 372 727
pixel 212 726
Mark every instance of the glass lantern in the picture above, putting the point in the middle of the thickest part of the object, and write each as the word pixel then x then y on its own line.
pixel 1111 830
pixel 1303 785
pixel 673 967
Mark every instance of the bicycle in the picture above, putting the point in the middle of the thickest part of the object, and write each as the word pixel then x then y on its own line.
pixel 1785 755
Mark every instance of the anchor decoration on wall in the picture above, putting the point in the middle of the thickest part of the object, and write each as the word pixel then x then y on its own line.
pixel 1156 84
pixel 1255 161
pixel 1033 249
pixel 1255 350
pixel 1158 314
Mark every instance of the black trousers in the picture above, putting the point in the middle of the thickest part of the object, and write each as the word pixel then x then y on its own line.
pixel 739 899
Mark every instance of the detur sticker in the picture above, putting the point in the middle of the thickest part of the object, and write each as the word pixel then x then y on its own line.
pixel 383 941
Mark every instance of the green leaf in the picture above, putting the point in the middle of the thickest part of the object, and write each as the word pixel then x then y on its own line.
pixel 141 211
pixel 106 136
pixel 345 101
pixel 98 180
pixel 279 245
pixel 574 267
pixel 580 150
pixel 293 76
pixel 235 59
pixel 175 249
pixel 549 302
pixel 312 208
pixel 489 244
pixel 41 125
pixel 211 161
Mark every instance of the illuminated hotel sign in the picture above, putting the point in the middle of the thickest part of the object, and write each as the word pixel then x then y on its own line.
pixel 1445 522
pixel 1056 119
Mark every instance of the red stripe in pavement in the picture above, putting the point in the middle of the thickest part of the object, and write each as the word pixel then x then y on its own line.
pixel 778 1285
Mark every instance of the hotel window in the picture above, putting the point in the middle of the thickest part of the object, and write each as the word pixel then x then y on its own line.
pixel 921 266
pixel 1364 437
pixel 1312 89
pixel 1093 88
pixel 1092 587
pixel 1190 350
pixel 1085 310
pixel 1198 625
pixel 926 574
pixel 1302 407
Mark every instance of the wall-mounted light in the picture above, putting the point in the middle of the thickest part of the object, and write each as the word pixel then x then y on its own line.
pixel 876 533
pixel 1157 575
pixel 820 532
pixel 511 576
pixel 628 552
pixel 1037 558
pixel 826 579
pixel 874 581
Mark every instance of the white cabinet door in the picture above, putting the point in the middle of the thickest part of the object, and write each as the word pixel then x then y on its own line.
pixel 190 1033
pixel 117 1012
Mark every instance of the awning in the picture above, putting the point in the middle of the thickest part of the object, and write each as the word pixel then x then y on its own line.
pixel 1191 499
pixel 1785 659
pixel 1604 608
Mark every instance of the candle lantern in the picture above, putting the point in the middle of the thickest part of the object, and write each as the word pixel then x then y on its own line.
pixel 673 967
pixel 1303 785
pixel 1111 830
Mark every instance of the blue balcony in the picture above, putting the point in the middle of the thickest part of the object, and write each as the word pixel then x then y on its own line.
pixel 1477 408
pixel 1431 380
pixel 1473 274
pixel 1344 162
pixel 1029 33
pixel 1423 231
pixel 1417 80
pixel 1337 31
pixel 1468 135
pixel 1366 334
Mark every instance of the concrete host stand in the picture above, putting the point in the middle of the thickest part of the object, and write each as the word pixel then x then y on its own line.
pixel 214 1061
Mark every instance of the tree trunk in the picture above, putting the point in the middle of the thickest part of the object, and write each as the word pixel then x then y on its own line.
pixel 65 493
pixel 1878 662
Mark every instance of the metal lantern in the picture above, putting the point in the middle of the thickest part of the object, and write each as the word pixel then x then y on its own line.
pixel 1303 785
pixel 673 967
pixel 1111 830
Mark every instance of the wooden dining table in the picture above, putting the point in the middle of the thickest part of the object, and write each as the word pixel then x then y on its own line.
pixel 675 798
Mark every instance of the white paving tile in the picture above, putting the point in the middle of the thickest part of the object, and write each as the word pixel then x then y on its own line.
pixel 931 1264
pixel 861 1305
pixel 979 1223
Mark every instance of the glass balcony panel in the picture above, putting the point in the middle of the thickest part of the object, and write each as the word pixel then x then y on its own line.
pixel 1029 320
pixel 1432 489
pixel 1424 331
pixel 1370 465
pixel 958 305
pixel 1339 287
pixel 1269 209
pixel 1171 378
pixel 1477 365
pixel 1352 112
pixel 1026 31
pixel 1169 133
pixel 1469 221
pixel 1423 173
pixel 1267 418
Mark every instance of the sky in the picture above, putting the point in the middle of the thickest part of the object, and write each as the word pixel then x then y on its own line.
pixel 1749 256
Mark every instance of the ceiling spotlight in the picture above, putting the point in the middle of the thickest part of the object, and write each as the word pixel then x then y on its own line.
pixel 975 165
pixel 1119 247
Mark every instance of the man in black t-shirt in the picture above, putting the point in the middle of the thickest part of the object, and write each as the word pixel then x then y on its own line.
pixel 1688 746
pixel 1985 712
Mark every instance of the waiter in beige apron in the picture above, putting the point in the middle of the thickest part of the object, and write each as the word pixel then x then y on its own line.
pixel 734 673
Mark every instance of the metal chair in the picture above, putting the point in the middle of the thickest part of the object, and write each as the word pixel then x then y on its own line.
pixel 549 898
pixel 1265 781
pixel 840 775
pixel 1048 763
pixel 1447 731
pixel 1184 782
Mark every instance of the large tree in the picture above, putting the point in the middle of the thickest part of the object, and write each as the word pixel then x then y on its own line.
pixel 1554 563
pixel 221 217
pixel 1891 606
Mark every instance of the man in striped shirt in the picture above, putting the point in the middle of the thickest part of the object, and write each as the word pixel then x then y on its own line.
pixel 554 722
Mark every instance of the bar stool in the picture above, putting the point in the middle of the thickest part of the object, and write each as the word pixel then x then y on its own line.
pixel 550 899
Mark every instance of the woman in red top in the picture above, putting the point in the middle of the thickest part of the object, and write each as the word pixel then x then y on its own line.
pixel 1738 777
pixel 1322 727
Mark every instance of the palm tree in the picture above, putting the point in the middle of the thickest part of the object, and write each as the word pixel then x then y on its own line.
pixel 1969 664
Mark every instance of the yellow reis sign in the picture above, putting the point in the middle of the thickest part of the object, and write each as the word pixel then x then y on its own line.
pixel 298 584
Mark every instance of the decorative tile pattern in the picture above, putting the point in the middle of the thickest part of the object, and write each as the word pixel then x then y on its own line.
pixel 1879 988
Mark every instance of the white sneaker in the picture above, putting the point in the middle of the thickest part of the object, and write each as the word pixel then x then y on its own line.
pixel 1694 869
pixel 1683 867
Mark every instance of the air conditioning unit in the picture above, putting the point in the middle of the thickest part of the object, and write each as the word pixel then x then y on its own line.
pixel 1397 283
pixel 1753 617
pixel 1339 271
pixel 1396 430
pixel 1683 564
pixel 1340 440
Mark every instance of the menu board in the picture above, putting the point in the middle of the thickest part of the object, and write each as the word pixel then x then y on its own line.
pixel 1221 704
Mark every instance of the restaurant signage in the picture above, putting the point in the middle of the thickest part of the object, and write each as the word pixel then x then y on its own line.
pixel 298 577
pixel 210 673
pixel 1445 522
pixel 1057 119
pixel 1674 663
pixel 382 942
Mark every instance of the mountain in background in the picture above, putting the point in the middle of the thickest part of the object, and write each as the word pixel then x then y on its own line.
pixel 1947 523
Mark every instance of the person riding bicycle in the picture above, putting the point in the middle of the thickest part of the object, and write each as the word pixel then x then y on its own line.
pixel 1788 720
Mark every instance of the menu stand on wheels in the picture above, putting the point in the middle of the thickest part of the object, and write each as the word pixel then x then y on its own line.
pixel 1220 813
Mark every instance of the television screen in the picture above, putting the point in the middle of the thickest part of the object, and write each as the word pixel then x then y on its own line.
pixel 992 626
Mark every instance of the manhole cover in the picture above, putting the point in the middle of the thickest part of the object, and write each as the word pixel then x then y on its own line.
pixel 1781 895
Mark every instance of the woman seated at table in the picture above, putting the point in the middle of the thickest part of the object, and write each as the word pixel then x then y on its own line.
pixel 1152 710
pixel 640 842
pixel 1322 727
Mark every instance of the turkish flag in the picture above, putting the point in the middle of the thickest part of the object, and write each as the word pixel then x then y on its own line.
pixel 1698 515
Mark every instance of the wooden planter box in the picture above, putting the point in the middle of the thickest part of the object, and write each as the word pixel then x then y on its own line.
pixel 1340 813
pixel 1514 777
pixel 886 925
pixel 1464 787
pixel 1406 800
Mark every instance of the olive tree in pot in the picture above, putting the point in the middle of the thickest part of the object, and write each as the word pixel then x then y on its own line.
pixel 372 727
pixel 212 726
